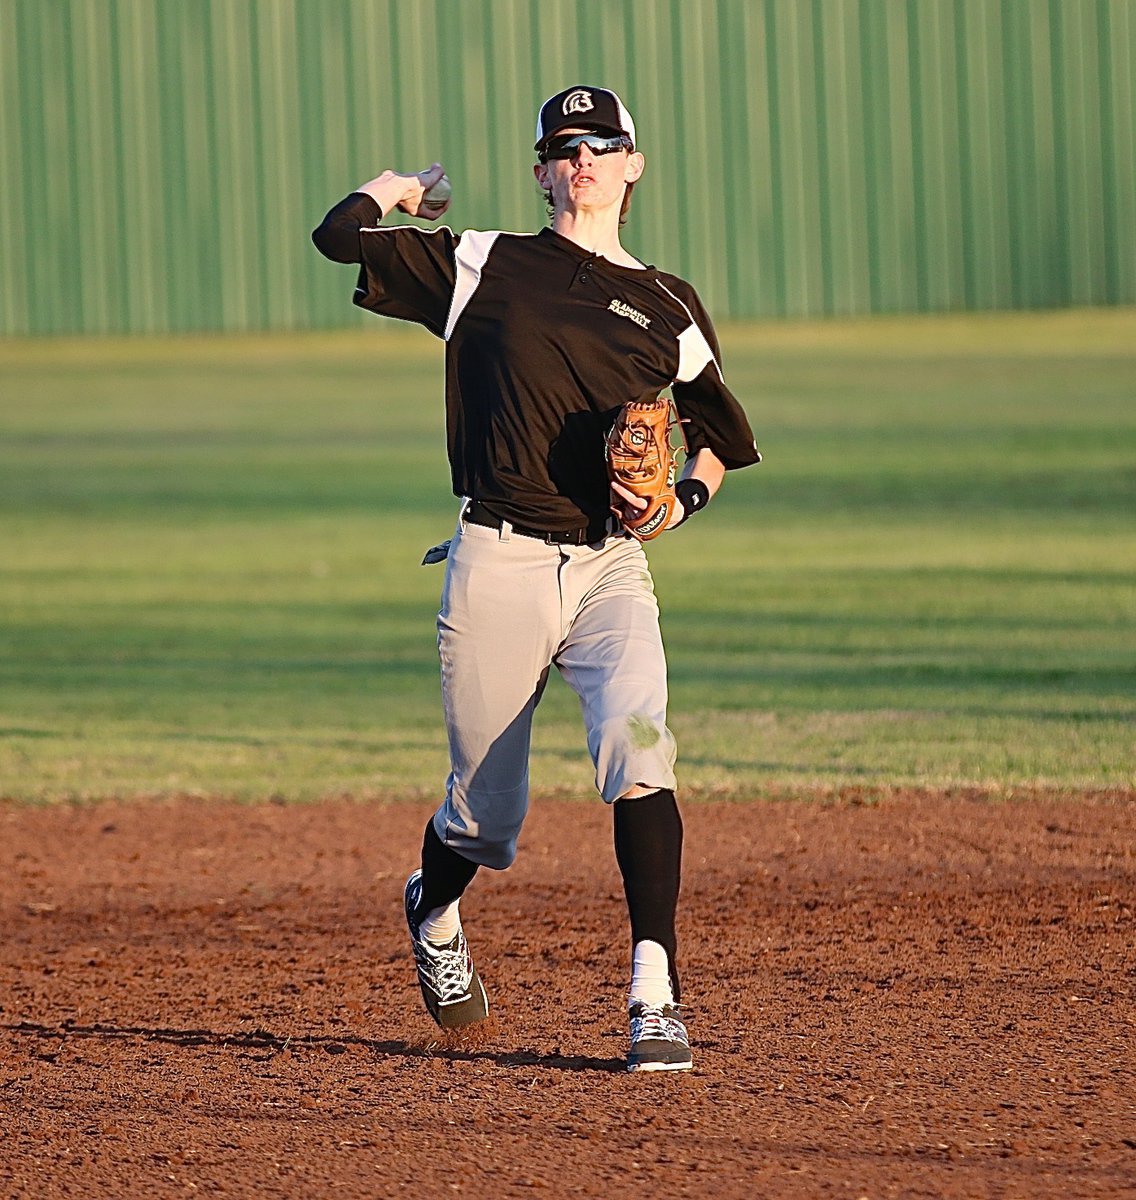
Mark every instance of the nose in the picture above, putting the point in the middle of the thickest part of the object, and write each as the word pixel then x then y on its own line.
pixel 583 155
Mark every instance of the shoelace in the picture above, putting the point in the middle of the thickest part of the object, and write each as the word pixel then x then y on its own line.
pixel 447 968
pixel 651 1023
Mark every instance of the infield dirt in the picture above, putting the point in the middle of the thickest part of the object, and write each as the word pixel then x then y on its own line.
pixel 899 995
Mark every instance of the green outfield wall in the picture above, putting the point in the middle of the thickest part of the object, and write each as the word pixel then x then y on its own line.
pixel 163 161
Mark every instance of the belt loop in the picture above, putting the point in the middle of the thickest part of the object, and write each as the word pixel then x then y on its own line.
pixel 506 531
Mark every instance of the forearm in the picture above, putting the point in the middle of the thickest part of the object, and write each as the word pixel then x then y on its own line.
pixel 706 466
pixel 337 237
pixel 702 476
pixel 390 189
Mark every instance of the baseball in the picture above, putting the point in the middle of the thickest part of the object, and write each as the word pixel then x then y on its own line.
pixel 437 196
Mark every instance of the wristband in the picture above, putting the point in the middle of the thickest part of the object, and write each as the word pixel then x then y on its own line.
pixel 692 494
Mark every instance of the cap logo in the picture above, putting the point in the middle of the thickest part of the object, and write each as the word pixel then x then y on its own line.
pixel 578 101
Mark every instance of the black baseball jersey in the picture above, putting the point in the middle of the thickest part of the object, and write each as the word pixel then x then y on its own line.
pixel 544 342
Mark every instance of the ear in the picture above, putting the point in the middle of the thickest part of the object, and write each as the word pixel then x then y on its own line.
pixel 540 171
pixel 635 166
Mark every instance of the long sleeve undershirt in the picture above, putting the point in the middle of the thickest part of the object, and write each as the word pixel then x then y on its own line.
pixel 337 237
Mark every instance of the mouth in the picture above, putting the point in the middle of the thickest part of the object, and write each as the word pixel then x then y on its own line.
pixel 583 179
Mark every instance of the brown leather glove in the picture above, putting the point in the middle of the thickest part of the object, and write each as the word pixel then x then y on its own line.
pixel 640 458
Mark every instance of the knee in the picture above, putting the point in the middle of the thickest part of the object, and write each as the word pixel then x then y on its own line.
pixel 487 838
pixel 632 733
pixel 632 751
pixel 497 855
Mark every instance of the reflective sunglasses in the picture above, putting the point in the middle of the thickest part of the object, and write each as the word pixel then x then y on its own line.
pixel 566 145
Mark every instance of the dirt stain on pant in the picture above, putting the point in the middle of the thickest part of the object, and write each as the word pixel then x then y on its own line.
pixel 642 731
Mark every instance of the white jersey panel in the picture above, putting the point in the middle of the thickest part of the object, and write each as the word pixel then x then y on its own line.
pixel 693 349
pixel 693 354
pixel 472 251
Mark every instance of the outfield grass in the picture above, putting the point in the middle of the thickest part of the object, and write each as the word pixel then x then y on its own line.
pixel 209 574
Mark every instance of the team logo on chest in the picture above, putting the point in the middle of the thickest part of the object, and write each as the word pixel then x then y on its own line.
pixel 632 314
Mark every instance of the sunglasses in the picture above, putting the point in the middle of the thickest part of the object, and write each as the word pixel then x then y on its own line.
pixel 567 145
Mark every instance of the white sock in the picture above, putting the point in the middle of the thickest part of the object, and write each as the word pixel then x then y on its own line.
pixel 650 975
pixel 441 925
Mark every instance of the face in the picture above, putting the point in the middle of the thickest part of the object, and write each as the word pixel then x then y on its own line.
pixel 588 182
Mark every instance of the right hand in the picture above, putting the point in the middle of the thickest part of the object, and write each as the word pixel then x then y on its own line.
pixel 417 187
pixel 405 192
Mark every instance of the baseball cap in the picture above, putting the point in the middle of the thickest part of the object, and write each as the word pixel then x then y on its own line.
pixel 583 107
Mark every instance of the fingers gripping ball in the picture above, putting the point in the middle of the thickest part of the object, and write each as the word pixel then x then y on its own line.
pixel 437 196
pixel 640 458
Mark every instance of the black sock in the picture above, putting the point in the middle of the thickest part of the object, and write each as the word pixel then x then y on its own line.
pixel 648 848
pixel 445 873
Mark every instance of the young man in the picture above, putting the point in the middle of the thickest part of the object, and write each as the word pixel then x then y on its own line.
pixel 546 336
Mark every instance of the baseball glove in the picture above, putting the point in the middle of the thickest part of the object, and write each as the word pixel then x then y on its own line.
pixel 640 458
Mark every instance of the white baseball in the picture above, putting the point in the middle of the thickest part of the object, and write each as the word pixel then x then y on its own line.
pixel 437 196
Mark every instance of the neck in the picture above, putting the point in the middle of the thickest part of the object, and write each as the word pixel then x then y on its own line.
pixel 597 232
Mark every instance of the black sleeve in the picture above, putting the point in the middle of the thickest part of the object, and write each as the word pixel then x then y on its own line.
pixel 408 273
pixel 337 236
pixel 713 418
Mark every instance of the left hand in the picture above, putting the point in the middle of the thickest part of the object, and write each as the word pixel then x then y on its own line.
pixel 625 503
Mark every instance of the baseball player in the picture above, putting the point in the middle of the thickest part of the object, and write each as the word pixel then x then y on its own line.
pixel 547 335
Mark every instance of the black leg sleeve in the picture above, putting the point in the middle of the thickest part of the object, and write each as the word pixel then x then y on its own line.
pixel 445 873
pixel 648 848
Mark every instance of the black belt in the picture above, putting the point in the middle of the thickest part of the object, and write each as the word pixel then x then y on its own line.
pixel 477 514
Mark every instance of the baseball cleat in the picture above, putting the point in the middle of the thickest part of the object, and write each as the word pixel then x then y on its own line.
pixel 451 988
pixel 658 1039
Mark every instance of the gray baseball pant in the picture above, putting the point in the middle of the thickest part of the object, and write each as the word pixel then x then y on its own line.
pixel 512 606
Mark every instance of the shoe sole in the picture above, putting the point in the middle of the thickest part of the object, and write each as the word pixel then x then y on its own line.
pixel 660 1066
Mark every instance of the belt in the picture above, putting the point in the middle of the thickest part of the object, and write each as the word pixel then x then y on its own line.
pixel 476 513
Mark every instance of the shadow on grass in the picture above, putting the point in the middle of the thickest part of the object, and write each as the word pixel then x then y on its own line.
pixel 272 1044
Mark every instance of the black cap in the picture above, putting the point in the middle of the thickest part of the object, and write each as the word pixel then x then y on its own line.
pixel 583 107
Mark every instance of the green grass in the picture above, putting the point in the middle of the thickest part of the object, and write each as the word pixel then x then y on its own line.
pixel 209 574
